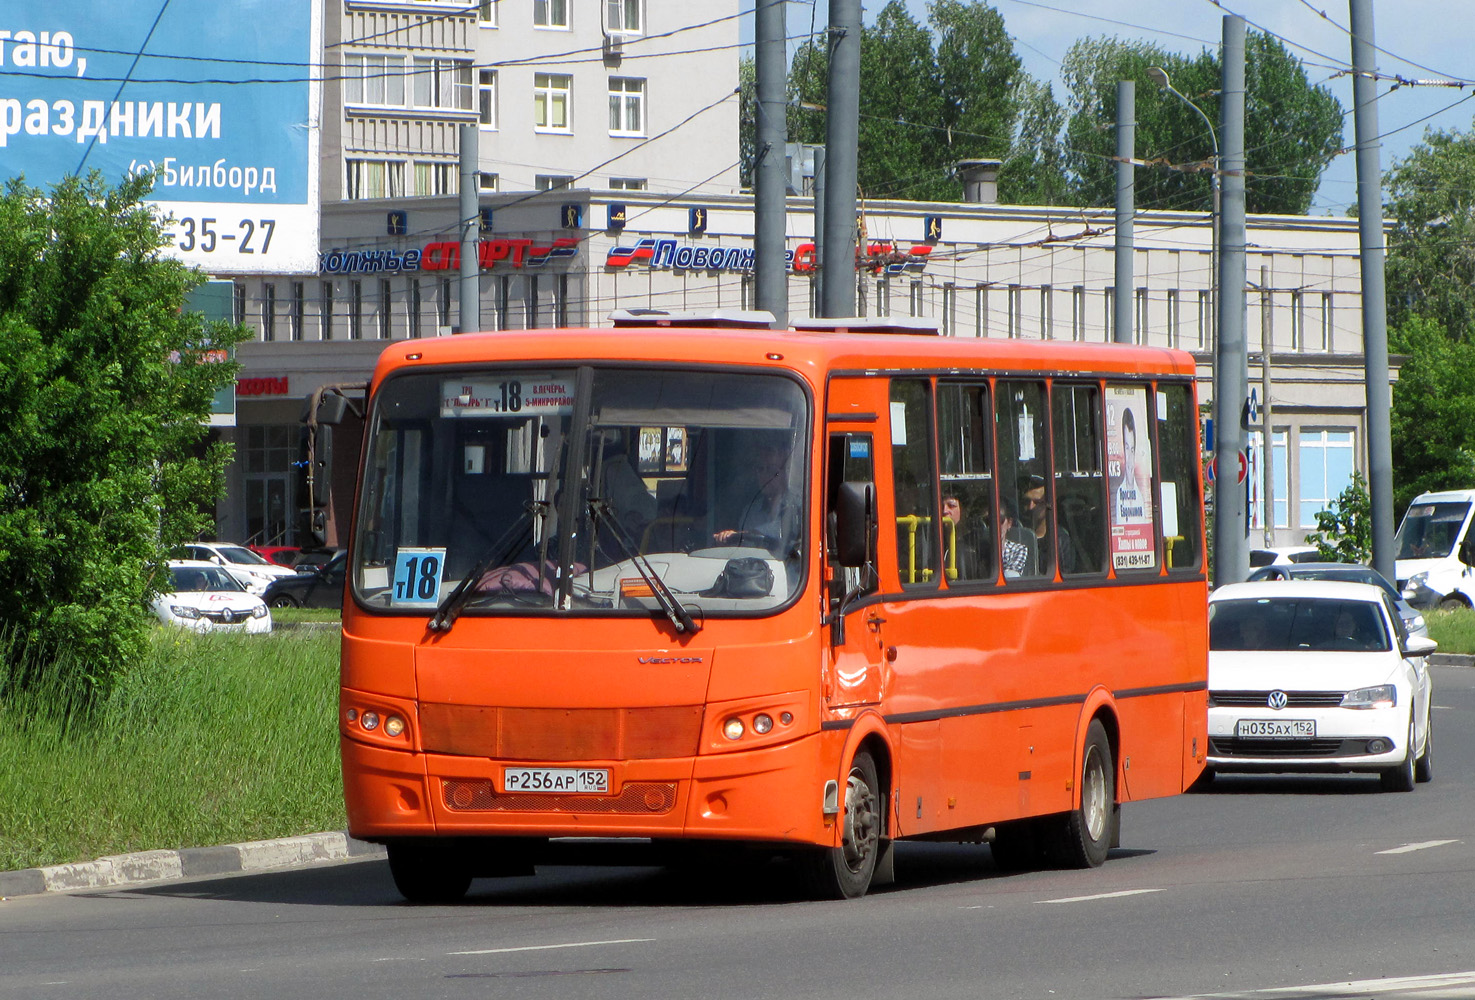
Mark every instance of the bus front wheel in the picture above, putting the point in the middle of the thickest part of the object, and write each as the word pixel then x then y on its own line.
pixel 1083 836
pixel 845 872
pixel 425 875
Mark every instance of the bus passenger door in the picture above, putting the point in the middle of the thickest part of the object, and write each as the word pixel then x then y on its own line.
pixel 853 679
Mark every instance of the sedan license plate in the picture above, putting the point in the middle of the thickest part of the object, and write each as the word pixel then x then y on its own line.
pixel 1275 729
pixel 564 780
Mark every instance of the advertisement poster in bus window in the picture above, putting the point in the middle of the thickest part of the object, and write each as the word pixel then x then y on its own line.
pixel 652 450
pixel 1129 470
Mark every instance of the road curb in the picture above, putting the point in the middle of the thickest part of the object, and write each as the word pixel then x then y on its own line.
pixel 143 867
pixel 1452 660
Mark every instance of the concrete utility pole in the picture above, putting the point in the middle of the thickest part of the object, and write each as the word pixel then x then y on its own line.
pixel 1231 372
pixel 1267 424
pixel 770 199
pixel 1126 205
pixel 1374 302
pixel 470 229
pixel 842 126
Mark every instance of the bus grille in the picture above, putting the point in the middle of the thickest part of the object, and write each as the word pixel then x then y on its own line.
pixel 477 795
pixel 560 734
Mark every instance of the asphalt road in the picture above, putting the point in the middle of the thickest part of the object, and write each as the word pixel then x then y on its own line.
pixel 1260 884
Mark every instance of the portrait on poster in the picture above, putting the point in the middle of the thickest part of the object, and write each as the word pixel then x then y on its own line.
pixel 652 450
pixel 675 449
pixel 1129 472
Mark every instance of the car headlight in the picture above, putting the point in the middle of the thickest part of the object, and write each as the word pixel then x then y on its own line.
pixel 1417 622
pixel 1412 584
pixel 259 611
pixel 181 611
pixel 1382 696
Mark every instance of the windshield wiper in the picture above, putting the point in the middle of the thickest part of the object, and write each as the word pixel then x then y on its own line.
pixel 514 538
pixel 681 620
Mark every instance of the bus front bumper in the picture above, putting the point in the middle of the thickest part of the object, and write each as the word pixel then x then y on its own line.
pixel 772 794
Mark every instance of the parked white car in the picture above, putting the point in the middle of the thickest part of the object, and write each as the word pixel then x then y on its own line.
pixel 253 571
pixel 1431 547
pixel 205 597
pixel 1307 675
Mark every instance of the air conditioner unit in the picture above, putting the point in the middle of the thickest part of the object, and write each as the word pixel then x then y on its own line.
pixel 614 48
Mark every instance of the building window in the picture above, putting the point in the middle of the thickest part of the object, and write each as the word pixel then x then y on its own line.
pixel 560 301
pixel 626 106
pixel 238 302
pixel 1205 317
pixel 552 182
pixel 413 307
pixel 530 302
pixel 486 92
pixel 268 311
pixel 488 181
pixel 374 179
pixel 437 178
pixel 374 79
pixel 550 13
pixel 355 310
pixel 1325 459
pixel 624 17
pixel 445 304
pixel 486 13
pixel 325 312
pixel 295 312
pixel 1078 312
pixel 551 101
pixel 1175 317
pixel 386 304
pixel 627 183
pixel 443 83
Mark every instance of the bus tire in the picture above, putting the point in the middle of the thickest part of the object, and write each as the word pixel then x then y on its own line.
pixel 424 875
pixel 845 872
pixel 1082 837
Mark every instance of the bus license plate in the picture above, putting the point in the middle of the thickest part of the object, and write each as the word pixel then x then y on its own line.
pixel 1276 729
pixel 565 780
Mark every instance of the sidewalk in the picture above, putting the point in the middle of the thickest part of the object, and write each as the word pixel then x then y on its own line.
pixel 155 866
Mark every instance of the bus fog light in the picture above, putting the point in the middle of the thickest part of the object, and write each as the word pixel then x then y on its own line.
pixel 370 720
pixel 733 729
pixel 394 725
pixel 762 723
pixel 786 718
pixel 352 714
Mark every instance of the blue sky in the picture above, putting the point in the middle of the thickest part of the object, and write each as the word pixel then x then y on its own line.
pixel 1422 39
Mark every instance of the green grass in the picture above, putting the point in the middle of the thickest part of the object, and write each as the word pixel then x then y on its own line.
pixel 294 616
pixel 209 740
pixel 1453 630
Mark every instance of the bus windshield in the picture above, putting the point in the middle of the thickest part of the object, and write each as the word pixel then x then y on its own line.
pixel 1430 530
pixel 584 491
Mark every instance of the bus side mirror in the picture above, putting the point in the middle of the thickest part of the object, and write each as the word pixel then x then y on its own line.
pixel 1467 551
pixel 855 515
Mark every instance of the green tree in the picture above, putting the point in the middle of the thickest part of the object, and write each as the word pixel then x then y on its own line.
pixel 1431 251
pixel 747 119
pixel 1433 402
pixel 1292 128
pixel 105 392
pixel 1344 531
pixel 928 98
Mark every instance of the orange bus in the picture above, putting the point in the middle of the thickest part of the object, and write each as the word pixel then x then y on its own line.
pixel 807 591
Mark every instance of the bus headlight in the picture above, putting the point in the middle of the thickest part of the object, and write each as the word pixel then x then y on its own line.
pixel 733 729
pixel 369 720
pixel 762 723
pixel 394 725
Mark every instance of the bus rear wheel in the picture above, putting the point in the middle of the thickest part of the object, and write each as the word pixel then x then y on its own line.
pixel 845 872
pixel 423 874
pixel 1082 837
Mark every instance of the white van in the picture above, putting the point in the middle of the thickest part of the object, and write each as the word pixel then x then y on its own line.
pixel 1431 547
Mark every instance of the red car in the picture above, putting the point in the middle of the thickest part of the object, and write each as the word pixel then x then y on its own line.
pixel 282 555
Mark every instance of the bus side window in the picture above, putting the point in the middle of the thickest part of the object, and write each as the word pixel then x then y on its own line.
pixel 964 446
pixel 1178 477
pixel 1027 543
pixel 913 481
pixel 849 461
pixel 1080 486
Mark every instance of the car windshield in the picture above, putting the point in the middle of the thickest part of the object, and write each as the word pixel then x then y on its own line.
pixel 240 554
pixel 584 491
pixel 1347 574
pixel 185 579
pixel 1282 624
pixel 1430 530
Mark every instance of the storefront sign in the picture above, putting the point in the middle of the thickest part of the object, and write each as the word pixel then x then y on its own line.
pixel 263 386
pixel 446 256
pixel 671 255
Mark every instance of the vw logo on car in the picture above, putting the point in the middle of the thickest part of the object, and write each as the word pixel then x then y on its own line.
pixel 1277 700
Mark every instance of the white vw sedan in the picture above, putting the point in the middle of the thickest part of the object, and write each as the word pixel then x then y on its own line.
pixel 205 597
pixel 1317 676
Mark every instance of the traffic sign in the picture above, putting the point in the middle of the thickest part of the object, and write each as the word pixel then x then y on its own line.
pixel 1244 467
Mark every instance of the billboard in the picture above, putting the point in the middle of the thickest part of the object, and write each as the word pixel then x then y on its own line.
pixel 220 101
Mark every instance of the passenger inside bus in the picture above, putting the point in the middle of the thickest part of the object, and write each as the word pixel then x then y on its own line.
pixel 1037 518
pixel 968 542
pixel 1019 546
